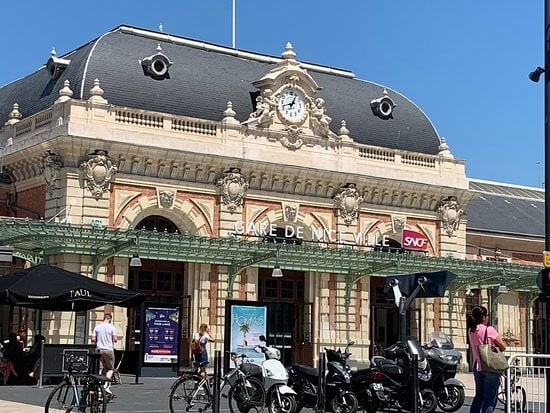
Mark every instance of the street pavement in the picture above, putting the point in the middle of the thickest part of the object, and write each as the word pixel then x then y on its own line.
pixel 149 396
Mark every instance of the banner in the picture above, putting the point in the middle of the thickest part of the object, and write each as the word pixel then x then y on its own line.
pixel 248 324
pixel 161 334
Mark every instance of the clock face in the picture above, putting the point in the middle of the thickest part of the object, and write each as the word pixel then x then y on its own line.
pixel 291 105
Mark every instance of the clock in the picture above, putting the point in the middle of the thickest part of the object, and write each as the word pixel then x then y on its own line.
pixel 291 105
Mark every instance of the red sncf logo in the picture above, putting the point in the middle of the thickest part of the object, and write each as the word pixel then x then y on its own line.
pixel 413 240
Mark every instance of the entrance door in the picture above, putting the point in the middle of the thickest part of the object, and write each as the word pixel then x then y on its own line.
pixel 289 318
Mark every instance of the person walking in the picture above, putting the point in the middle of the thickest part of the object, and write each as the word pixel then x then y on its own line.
pixel 486 382
pixel 202 337
pixel 105 337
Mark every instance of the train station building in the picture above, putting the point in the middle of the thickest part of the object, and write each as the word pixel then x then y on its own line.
pixel 190 171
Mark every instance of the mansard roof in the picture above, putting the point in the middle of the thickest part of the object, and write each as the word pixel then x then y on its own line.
pixel 506 209
pixel 204 77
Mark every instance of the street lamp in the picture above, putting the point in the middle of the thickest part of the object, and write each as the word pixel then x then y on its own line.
pixel 545 276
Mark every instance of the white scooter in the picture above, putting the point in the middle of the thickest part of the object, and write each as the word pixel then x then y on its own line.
pixel 280 398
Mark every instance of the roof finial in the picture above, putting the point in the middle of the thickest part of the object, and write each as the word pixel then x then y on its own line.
pixel 343 132
pixel 14 115
pixel 288 54
pixel 229 115
pixel 65 93
pixel 53 53
pixel 444 150
pixel 97 93
pixel 161 28
pixel 159 48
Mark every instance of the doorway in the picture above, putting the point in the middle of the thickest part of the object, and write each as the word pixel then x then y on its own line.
pixel 289 326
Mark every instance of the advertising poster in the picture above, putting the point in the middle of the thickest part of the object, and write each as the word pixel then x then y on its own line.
pixel 161 334
pixel 248 324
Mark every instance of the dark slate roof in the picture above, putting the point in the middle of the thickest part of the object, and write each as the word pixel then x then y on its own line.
pixel 201 82
pixel 506 209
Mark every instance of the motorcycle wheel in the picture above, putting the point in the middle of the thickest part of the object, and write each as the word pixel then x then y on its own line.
pixel 344 403
pixel 287 405
pixel 430 401
pixel 452 401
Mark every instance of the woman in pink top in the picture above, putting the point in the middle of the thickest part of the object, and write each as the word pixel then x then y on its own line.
pixel 486 382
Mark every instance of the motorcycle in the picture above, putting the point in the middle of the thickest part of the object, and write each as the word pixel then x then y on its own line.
pixel 280 397
pixel 388 381
pixel 338 397
pixel 443 360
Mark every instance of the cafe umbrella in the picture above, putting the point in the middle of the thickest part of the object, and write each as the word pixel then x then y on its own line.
pixel 47 287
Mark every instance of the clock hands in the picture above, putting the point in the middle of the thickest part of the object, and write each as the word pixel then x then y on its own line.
pixel 291 104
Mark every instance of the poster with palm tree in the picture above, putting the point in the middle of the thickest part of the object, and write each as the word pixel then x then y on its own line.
pixel 248 323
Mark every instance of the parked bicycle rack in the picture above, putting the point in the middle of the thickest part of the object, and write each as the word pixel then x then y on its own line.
pixel 532 374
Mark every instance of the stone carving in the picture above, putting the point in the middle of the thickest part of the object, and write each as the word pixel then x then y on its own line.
pixel 450 213
pixel 399 223
pixel 265 110
pixel 348 200
pixel 51 165
pixel 290 212
pixel 98 172
pixel 233 187
pixel 294 142
pixel 319 120
pixel 166 199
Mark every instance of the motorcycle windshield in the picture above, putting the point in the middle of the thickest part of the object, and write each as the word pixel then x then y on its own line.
pixel 441 340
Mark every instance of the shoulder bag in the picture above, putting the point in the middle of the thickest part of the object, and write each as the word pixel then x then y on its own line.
pixel 491 358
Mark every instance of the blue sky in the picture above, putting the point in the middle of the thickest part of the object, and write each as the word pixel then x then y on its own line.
pixel 464 63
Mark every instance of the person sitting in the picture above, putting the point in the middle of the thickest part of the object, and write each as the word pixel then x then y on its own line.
pixel 12 350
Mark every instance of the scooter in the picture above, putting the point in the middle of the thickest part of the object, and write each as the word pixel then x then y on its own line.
pixel 280 397
pixel 444 360
pixel 338 397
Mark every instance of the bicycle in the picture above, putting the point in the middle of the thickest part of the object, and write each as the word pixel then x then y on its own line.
pixel 518 394
pixel 79 391
pixel 192 392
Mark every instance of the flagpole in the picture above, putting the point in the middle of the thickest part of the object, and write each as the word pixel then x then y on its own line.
pixel 233 26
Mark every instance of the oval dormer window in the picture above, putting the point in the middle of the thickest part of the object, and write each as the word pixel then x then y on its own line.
pixel 383 106
pixel 157 65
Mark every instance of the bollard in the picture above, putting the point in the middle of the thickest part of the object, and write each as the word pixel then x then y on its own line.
pixel 321 383
pixel 415 388
pixel 217 381
pixel 41 377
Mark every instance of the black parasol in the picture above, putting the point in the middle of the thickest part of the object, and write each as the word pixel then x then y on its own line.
pixel 52 288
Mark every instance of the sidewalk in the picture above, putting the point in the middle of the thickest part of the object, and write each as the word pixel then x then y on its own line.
pixel 14 407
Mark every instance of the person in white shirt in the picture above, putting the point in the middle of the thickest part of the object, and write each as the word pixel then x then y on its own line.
pixel 104 336
pixel 202 337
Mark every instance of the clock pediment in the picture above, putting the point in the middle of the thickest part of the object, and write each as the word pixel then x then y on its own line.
pixel 288 102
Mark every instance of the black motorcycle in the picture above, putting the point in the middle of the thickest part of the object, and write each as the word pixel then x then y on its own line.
pixel 304 380
pixel 388 381
pixel 444 360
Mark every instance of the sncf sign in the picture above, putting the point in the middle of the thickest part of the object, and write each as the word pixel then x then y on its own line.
pixel 413 240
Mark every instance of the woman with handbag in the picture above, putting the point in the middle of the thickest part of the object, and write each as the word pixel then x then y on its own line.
pixel 487 382
pixel 201 357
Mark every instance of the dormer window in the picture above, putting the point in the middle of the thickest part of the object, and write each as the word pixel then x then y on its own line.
pixel 383 106
pixel 56 65
pixel 157 65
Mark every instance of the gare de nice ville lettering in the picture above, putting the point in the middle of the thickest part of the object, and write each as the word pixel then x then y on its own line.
pixel 323 235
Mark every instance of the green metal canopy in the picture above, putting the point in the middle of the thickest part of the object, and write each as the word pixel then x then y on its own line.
pixel 36 240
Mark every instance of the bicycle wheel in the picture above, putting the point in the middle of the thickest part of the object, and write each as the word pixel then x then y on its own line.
pixel 94 399
pixel 187 395
pixel 518 400
pixel 61 399
pixel 247 396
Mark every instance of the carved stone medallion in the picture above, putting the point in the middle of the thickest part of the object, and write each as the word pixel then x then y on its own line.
pixel 348 200
pixel 98 173
pixel 450 213
pixel 166 199
pixel 51 165
pixel 233 188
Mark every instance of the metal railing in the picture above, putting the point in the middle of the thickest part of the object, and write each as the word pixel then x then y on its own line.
pixel 526 383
